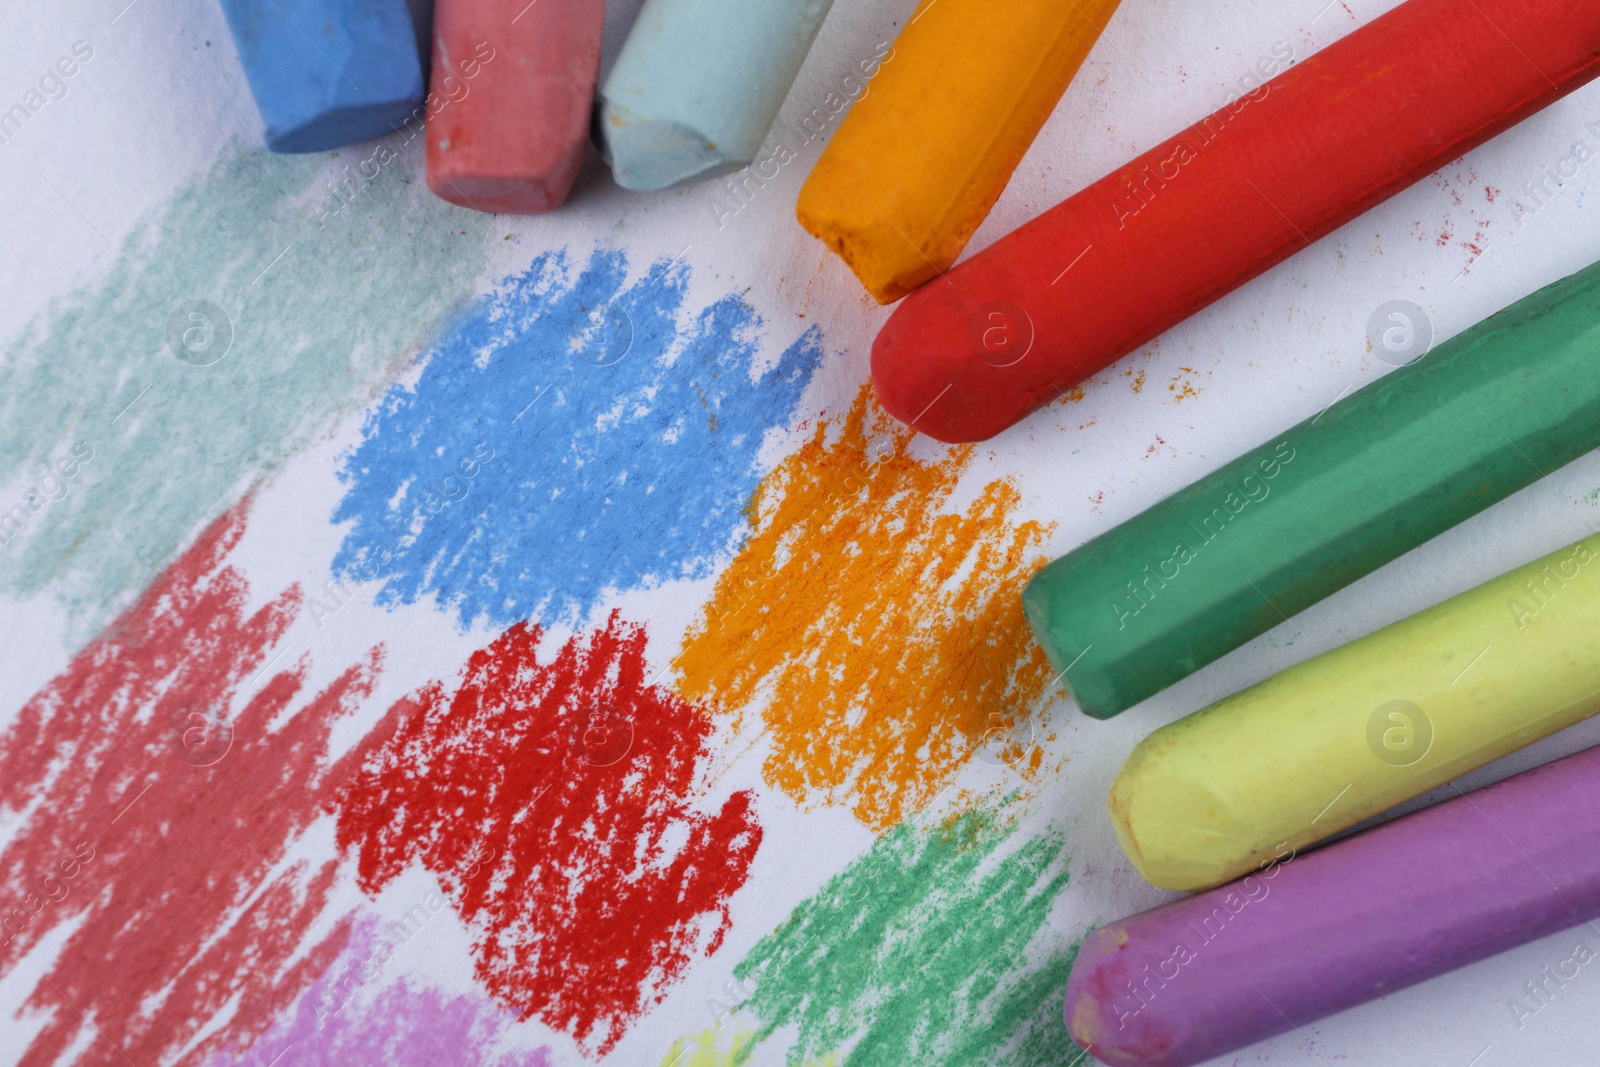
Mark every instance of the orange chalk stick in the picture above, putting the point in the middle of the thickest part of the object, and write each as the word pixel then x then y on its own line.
pixel 920 160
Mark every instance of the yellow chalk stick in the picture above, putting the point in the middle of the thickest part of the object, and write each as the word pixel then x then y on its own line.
pixel 1349 734
pixel 922 157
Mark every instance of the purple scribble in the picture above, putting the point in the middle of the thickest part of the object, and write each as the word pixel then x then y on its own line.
pixel 404 1024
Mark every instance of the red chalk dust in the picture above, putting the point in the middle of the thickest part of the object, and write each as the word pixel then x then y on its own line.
pixel 1139 251
pixel 163 830
pixel 552 802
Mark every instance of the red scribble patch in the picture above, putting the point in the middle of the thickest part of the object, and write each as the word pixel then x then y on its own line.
pixel 163 829
pixel 550 800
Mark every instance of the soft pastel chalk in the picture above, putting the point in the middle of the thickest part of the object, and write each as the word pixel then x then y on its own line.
pixel 698 84
pixel 1313 509
pixel 1318 933
pixel 513 89
pixel 923 156
pixel 327 73
pixel 1149 245
pixel 1353 732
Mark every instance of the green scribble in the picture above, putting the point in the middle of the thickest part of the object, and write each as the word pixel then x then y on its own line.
pixel 933 949
pixel 328 294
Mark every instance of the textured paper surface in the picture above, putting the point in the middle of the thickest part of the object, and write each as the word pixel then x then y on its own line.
pixel 528 644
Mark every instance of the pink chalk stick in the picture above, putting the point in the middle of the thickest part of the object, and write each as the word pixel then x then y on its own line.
pixel 1425 894
pixel 509 100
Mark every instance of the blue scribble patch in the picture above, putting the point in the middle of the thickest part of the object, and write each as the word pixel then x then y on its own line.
pixel 573 432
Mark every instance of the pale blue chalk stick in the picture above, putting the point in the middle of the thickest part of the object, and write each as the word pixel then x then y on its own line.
pixel 698 84
pixel 328 73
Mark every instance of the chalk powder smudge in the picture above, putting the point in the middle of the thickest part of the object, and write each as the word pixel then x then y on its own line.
pixel 344 309
pixel 933 949
pixel 551 801
pixel 875 621
pixel 624 445
pixel 406 1024
pixel 188 898
pixel 714 1048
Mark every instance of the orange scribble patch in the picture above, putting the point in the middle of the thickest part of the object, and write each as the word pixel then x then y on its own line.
pixel 882 628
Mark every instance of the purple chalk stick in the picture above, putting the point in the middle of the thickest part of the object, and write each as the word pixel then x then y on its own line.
pixel 1314 934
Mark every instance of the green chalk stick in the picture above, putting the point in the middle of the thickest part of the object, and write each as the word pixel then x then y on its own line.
pixel 1330 501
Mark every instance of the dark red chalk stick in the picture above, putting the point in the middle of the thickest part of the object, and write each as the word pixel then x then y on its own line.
pixel 1144 248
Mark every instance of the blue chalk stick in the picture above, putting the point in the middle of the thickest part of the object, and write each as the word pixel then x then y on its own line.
pixel 698 84
pixel 328 73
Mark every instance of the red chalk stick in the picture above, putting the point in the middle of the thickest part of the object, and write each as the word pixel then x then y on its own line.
pixel 1149 245
pixel 509 100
